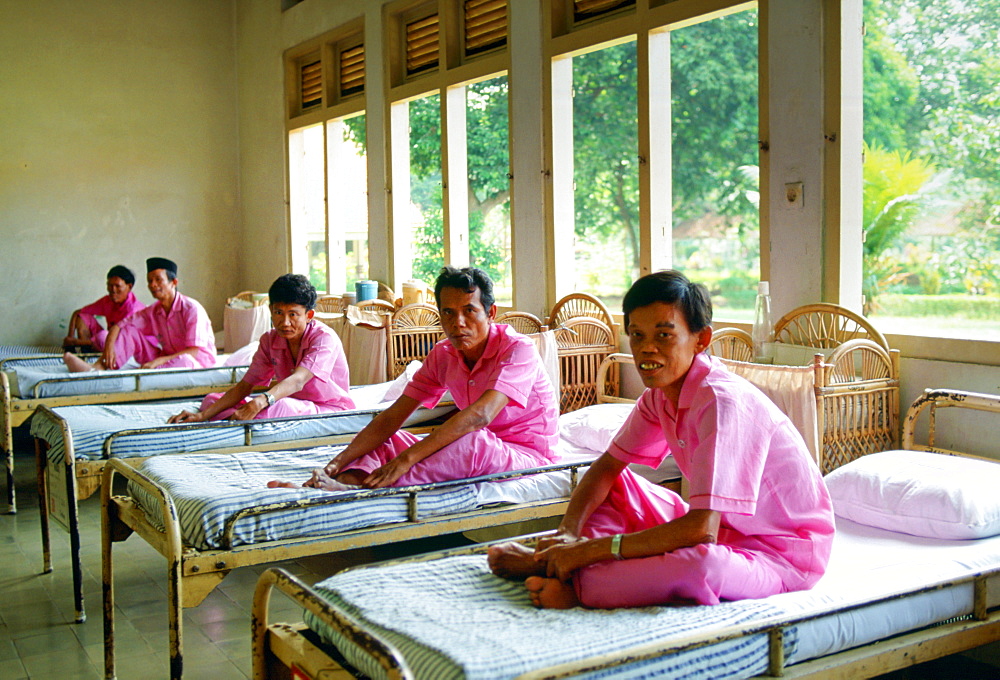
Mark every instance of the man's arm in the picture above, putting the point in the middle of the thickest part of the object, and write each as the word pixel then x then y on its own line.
pixel 159 361
pixel 233 396
pixel 374 434
pixel 475 417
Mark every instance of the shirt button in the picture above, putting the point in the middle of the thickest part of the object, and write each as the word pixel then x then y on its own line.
pixel 472 382
pixel 680 443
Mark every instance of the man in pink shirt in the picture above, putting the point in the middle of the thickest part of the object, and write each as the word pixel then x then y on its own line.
pixel 84 329
pixel 760 521
pixel 508 409
pixel 304 356
pixel 173 332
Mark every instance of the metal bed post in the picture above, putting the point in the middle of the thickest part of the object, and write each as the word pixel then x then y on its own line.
pixel 7 442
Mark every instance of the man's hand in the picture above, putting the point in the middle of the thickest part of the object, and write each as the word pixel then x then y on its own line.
pixel 563 559
pixel 158 361
pixel 388 474
pixel 187 417
pixel 250 409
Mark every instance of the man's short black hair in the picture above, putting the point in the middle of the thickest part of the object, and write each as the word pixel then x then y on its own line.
pixel 292 289
pixel 467 279
pixel 671 287
pixel 123 273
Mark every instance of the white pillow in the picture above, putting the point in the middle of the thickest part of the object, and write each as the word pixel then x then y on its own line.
pixel 395 390
pixel 593 427
pixel 919 493
pixel 243 356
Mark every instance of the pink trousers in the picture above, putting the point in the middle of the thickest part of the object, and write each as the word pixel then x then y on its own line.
pixel 283 408
pixel 97 333
pixel 132 344
pixel 703 574
pixel 473 454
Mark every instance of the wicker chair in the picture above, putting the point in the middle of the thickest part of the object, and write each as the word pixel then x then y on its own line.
pixel 245 296
pixel 376 305
pixel 579 304
pixel 731 343
pixel 330 304
pixel 584 342
pixel 413 331
pixel 522 322
pixel 825 326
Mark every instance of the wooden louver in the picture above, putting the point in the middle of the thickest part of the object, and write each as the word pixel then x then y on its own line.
pixel 585 9
pixel 422 44
pixel 485 25
pixel 311 83
pixel 352 70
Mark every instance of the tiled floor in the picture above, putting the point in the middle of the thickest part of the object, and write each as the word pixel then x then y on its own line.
pixel 39 640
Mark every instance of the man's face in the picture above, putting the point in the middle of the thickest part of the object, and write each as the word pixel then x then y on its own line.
pixel 466 322
pixel 118 290
pixel 290 319
pixel 663 346
pixel 160 285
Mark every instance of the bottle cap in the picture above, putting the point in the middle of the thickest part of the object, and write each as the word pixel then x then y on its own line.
pixel 763 288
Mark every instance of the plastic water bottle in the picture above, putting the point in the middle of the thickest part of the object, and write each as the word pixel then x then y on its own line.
pixel 763 330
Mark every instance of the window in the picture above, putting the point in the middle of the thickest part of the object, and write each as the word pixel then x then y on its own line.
pixel 661 175
pixel 932 168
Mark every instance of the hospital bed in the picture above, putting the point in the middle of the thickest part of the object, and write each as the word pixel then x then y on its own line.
pixel 73 444
pixel 890 598
pixel 25 385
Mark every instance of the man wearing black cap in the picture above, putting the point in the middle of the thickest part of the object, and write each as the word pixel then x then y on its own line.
pixel 173 332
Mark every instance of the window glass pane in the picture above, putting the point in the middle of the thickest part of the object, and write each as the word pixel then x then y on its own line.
pixel 605 172
pixel 348 196
pixel 716 223
pixel 425 188
pixel 932 167
pixel 307 205
pixel 489 186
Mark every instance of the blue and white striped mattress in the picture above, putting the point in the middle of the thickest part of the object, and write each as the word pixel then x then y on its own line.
pixel 209 488
pixel 26 381
pixel 91 425
pixel 15 351
pixel 453 619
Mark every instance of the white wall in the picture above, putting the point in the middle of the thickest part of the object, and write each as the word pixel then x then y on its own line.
pixel 119 142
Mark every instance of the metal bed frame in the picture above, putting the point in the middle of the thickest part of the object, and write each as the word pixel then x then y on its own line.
pixel 15 411
pixel 277 647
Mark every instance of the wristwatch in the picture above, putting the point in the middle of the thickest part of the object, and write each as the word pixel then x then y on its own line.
pixel 270 398
pixel 616 547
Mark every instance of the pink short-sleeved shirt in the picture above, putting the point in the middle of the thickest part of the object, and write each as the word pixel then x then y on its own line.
pixel 510 365
pixel 742 457
pixel 320 351
pixel 112 312
pixel 186 325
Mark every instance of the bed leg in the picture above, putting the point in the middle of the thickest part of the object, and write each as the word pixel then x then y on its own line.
pixel 107 577
pixel 8 454
pixel 43 505
pixel 74 543
pixel 176 615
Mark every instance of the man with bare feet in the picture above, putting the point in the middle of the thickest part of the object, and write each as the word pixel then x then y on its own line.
pixel 760 521
pixel 85 331
pixel 507 414
pixel 173 332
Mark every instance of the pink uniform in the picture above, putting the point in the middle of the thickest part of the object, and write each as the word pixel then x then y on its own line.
pixel 743 458
pixel 321 352
pixel 522 434
pixel 153 332
pixel 112 312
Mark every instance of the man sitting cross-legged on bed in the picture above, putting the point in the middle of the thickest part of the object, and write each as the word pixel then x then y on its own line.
pixel 508 409
pixel 173 332
pixel 760 521
pixel 304 356
pixel 84 329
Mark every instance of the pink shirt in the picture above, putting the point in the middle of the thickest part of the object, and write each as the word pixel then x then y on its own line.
pixel 186 325
pixel 742 457
pixel 110 311
pixel 510 365
pixel 320 352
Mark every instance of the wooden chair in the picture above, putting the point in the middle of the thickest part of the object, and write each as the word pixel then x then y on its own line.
pixel 245 296
pixel 731 343
pixel 579 304
pixel 584 342
pixel 825 326
pixel 522 322
pixel 413 331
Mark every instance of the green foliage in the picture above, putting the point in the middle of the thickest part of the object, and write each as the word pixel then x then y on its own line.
pixel 892 200
pixel 971 307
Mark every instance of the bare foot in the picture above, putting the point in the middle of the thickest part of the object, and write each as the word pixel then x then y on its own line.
pixel 75 364
pixel 317 481
pixel 514 561
pixel 551 593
